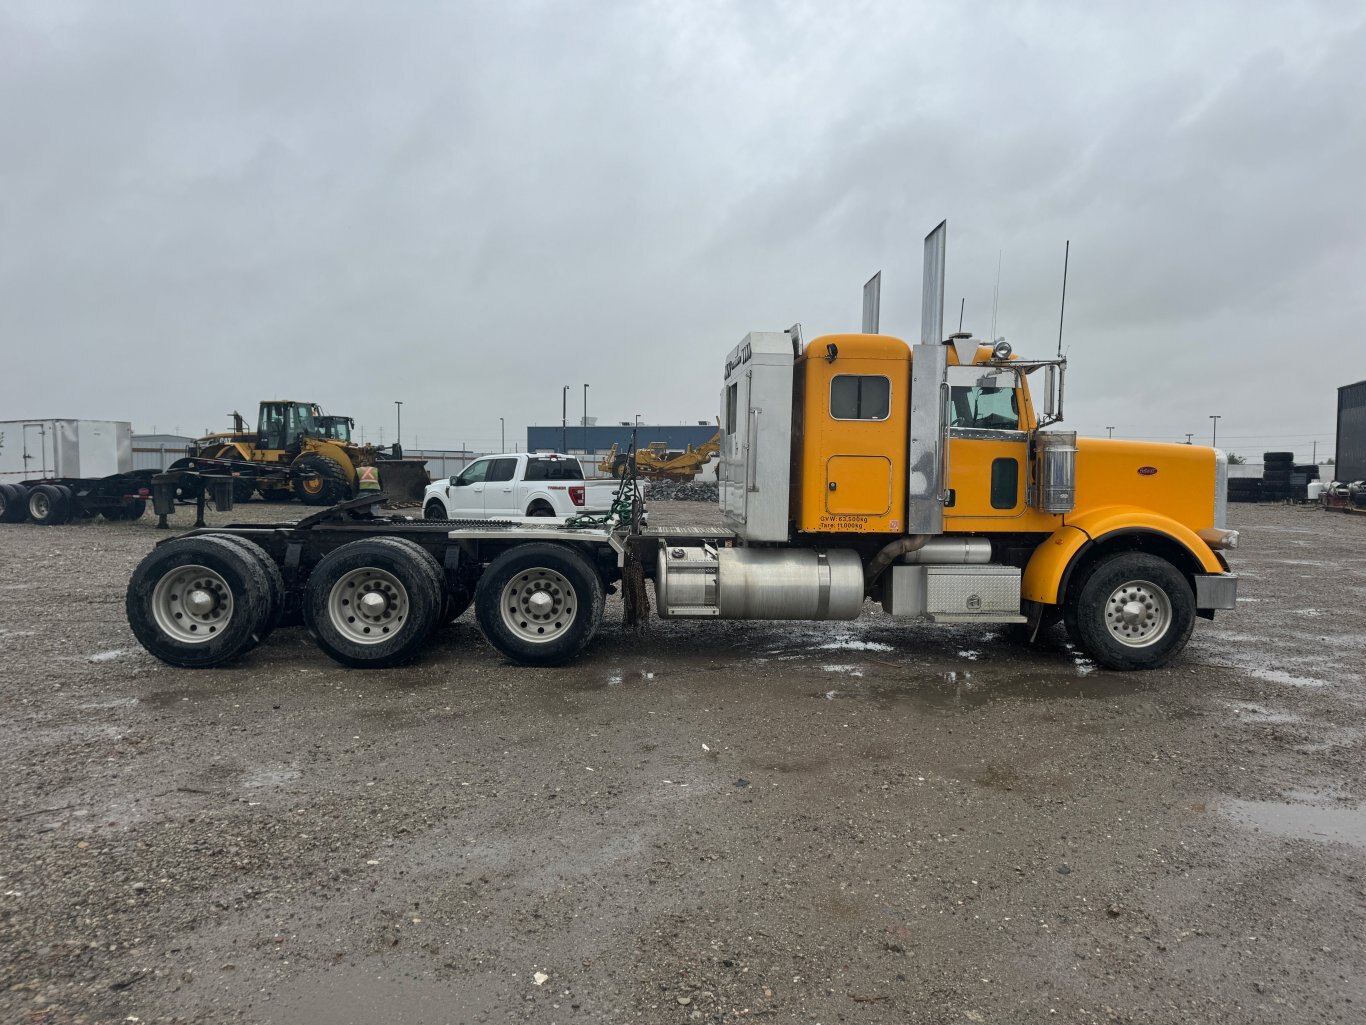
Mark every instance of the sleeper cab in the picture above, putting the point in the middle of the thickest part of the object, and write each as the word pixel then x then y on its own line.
pixel 853 395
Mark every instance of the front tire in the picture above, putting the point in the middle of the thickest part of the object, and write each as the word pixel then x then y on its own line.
pixel 371 604
pixel 540 604
pixel 319 480
pixel 435 510
pixel 1132 610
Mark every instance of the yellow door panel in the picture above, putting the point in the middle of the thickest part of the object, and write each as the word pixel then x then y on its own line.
pixel 858 485
pixel 988 476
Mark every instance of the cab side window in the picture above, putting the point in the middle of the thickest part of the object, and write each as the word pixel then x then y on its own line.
pixel 860 397
pixel 994 409
pixel 502 469
pixel 475 473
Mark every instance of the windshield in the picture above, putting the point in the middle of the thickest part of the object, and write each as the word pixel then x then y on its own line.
pixel 984 408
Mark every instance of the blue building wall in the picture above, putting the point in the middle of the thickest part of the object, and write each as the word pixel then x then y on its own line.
pixel 601 437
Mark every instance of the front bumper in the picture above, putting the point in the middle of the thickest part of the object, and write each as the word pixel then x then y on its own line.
pixel 1216 591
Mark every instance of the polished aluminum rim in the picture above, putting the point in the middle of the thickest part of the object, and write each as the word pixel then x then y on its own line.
pixel 368 605
pixel 539 605
pixel 1138 613
pixel 192 604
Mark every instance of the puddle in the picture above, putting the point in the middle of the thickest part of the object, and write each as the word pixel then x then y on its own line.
pixel 844 644
pixel 850 670
pixel 111 703
pixel 1250 711
pixel 270 777
pixel 1300 821
pixel 1289 679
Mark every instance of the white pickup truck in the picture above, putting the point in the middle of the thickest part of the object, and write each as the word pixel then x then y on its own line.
pixel 520 484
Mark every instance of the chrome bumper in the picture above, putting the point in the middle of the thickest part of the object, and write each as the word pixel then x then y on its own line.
pixel 1216 591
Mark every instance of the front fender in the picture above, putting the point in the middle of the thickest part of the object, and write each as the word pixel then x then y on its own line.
pixel 1051 562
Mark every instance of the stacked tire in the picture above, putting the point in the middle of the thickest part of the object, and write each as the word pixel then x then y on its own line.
pixel 1244 489
pixel 1277 469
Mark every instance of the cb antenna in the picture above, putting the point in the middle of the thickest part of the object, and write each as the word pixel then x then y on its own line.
pixel 1066 253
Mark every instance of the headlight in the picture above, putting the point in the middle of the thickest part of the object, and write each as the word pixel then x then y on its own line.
pixel 1218 538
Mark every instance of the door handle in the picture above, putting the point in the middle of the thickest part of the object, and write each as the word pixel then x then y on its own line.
pixel 832 485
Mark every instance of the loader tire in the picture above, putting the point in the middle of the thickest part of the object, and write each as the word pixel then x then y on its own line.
pixel 197 602
pixel 319 480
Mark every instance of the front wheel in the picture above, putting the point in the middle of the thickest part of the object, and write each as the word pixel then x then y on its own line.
pixel 1132 610
pixel 540 604
pixel 435 510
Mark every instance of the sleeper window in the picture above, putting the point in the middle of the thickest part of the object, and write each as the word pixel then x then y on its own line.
pixel 860 397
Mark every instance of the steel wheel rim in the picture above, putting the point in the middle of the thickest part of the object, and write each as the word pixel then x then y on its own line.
pixel 1138 613
pixel 312 485
pixel 539 605
pixel 368 605
pixel 192 604
pixel 39 505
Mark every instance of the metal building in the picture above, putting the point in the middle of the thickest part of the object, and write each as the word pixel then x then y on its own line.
pixel 596 439
pixel 1351 442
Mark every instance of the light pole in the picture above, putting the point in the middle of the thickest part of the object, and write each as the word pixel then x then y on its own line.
pixel 398 438
pixel 1188 437
pixel 502 435
pixel 564 420
pixel 585 419
pixel 1214 433
pixel 637 419
pixel 1111 430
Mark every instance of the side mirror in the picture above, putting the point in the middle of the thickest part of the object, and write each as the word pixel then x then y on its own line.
pixel 1053 393
pixel 455 482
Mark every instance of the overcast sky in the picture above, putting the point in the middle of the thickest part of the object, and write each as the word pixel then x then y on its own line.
pixel 467 206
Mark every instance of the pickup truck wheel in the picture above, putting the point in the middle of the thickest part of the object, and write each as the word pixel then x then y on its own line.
pixel 540 604
pixel 435 510
pixel 1131 610
pixel 197 602
pixel 371 604
pixel 540 509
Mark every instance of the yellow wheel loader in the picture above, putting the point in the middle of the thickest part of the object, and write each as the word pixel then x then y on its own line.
pixel 318 451
pixel 656 462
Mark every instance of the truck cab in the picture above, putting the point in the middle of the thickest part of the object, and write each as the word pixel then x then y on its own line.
pixel 930 464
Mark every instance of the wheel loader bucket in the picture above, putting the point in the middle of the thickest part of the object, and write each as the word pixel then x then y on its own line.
pixel 404 480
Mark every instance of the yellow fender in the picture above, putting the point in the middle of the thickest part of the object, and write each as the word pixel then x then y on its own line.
pixel 1048 566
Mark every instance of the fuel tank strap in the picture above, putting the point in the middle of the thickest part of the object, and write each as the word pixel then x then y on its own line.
pixel 823 586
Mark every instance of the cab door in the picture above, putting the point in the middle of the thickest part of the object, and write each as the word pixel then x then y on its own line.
pixel 500 491
pixel 988 445
pixel 465 493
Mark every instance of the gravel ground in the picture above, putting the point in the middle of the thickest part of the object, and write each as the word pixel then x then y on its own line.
pixel 861 822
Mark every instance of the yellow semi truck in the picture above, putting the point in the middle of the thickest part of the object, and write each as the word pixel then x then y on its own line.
pixel 852 468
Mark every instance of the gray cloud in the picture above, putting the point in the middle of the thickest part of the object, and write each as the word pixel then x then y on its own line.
pixel 467 206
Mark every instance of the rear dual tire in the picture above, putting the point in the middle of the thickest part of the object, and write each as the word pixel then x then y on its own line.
pixel 540 604
pixel 13 503
pixel 49 505
pixel 372 604
pixel 200 601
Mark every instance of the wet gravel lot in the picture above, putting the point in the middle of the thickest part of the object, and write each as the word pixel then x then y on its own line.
pixel 856 822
